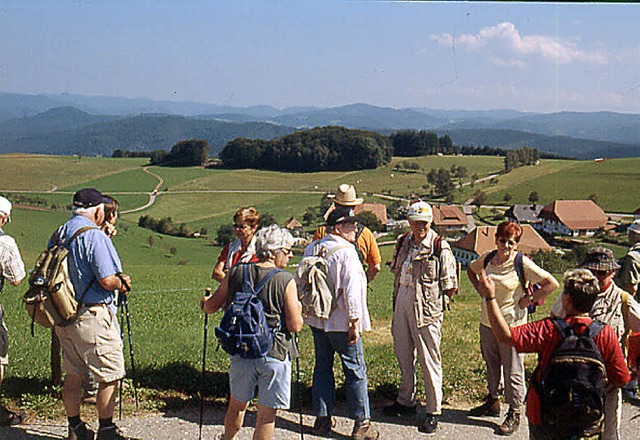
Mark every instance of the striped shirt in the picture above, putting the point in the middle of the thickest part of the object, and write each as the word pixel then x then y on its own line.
pixel 11 265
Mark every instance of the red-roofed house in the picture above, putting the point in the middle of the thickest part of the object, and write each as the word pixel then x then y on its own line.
pixel 572 217
pixel 377 209
pixel 482 239
pixel 448 218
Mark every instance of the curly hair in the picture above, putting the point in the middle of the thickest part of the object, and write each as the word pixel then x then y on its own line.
pixel 582 286
pixel 270 239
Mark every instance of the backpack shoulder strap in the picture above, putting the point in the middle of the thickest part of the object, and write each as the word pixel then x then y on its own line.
pixel 594 328
pixel 489 257
pixel 359 230
pixel 258 287
pixel 76 234
pixel 563 327
pixel 437 246
pixel 520 269
pixel 335 249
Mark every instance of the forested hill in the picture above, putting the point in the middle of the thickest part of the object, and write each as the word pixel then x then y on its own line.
pixel 70 131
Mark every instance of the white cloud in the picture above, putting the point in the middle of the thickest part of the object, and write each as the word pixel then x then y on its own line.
pixel 507 40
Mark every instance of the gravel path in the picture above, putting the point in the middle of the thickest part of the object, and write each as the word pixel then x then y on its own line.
pixel 184 425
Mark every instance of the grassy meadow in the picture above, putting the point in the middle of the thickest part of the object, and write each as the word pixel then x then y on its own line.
pixel 169 273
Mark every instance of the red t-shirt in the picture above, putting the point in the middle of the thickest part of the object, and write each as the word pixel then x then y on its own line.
pixel 236 256
pixel 542 337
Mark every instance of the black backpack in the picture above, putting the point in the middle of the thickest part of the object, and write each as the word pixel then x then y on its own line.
pixel 572 387
pixel 244 330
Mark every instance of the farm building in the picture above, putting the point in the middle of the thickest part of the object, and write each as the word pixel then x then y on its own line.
pixel 377 209
pixel 294 226
pixel 572 218
pixel 449 218
pixel 524 213
pixel 482 239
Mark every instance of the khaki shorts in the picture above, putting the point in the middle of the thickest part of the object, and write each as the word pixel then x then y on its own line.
pixel 4 340
pixel 92 344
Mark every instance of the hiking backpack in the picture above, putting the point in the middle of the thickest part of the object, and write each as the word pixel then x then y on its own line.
pixel 315 291
pixel 572 386
pixel 51 298
pixel 244 329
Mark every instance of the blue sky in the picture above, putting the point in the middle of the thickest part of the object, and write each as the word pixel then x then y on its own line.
pixel 448 55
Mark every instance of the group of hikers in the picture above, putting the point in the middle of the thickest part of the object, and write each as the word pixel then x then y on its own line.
pixel 575 391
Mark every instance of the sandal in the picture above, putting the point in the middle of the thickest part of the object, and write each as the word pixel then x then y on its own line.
pixel 10 418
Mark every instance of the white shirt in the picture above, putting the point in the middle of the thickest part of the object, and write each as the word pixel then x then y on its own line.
pixel 345 273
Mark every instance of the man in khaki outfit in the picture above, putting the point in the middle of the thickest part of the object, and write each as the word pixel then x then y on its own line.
pixel 425 280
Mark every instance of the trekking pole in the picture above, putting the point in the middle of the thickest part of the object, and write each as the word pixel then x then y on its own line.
pixel 125 305
pixel 122 339
pixel 300 391
pixel 207 292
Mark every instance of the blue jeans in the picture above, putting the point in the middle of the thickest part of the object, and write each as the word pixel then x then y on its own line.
pixel 355 372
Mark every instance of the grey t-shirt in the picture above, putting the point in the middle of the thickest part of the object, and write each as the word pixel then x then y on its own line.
pixel 272 296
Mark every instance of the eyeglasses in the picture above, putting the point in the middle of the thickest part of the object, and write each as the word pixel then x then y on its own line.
pixel 600 273
pixel 286 251
pixel 245 226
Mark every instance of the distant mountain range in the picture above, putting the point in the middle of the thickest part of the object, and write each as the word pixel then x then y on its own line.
pixel 97 125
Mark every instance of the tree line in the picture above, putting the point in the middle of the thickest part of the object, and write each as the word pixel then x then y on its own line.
pixel 317 149
pixel 187 153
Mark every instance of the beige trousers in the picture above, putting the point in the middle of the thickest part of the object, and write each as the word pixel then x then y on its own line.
pixel 413 344
pixel 612 414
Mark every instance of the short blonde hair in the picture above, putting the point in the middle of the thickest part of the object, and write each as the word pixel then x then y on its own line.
pixel 248 215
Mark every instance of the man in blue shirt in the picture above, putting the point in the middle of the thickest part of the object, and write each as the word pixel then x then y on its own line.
pixel 92 342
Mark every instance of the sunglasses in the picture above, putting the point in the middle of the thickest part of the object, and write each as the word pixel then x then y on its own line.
pixel 507 241
pixel 286 251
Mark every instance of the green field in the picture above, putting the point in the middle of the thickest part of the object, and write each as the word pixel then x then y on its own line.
pixel 169 273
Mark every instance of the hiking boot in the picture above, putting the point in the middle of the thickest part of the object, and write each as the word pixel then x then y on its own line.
pixel 490 407
pixel 363 430
pixel 10 418
pixel 430 424
pixel 398 409
pixel 80 432
pixel 112 433
pixel 511 423
pixel 323 425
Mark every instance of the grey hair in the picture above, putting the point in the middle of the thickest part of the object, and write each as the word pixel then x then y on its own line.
pixel 270 239
pixel 86 212
pixel 583 288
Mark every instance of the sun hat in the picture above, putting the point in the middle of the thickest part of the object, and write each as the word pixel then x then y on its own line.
pixel 5 207
pixel 342 214
pixel 346 196
pixel 88 197
pixel 601 259
pixel 421 212
pixel 634 227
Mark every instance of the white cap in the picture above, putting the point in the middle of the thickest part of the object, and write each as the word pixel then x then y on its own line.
pixel 635 227
pixel 421 212
pixel 5 206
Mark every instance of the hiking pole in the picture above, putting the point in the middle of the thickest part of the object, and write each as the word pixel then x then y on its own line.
pixel 122 339
pixel 125 305
pixel 207 292
pixel 300 391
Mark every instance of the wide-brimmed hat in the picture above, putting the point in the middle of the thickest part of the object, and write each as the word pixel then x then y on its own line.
pixel 5 207
pixel 342 214
pixel 346 196
pixel 600 259
pixel 634 227
pixel 420 212
pixel 89 197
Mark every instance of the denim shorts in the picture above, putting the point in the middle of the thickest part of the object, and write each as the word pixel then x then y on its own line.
pixel 270 375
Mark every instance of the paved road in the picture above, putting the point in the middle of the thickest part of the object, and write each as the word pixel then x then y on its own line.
pixel 184 425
